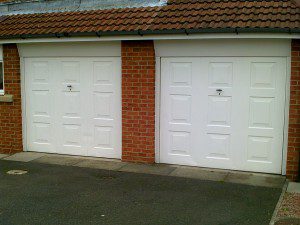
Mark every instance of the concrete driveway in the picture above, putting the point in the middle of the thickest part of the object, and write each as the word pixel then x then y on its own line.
pixel 63 195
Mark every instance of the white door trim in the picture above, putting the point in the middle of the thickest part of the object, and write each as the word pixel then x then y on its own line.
pixel 157 108
pixel 286 116
pixel 23 103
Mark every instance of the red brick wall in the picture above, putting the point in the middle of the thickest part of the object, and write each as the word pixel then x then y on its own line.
pixel 294 121
pixel 138 101
pixel 10 113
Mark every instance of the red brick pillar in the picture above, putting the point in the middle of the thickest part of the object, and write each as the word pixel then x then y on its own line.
pixel 10 112
pixel 292 170
pixel 138 101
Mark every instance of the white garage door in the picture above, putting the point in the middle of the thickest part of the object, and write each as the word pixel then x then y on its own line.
pixel 223 112
pixel 73 106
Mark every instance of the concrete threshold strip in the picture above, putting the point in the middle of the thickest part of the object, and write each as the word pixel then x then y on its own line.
pixel 254 179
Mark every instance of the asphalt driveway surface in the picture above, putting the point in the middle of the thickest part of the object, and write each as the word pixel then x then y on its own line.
pixel 61 195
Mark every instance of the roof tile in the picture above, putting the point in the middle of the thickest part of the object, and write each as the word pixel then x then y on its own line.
pixel 176 15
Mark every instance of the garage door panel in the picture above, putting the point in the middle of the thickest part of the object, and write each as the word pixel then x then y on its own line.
pixel 83 101
pixel 219 111
pixel 236 107
pixel 104 141
pixel 261 112
pixel 178 112
pixel 39 99
pixel 217 82
pixel 71 104
pixel 40 72
pixel 180 108
pixel 181 74
pixel 70 71
pixel 218 146
pixel 39 108
pixel 70 74
pixel 262 75
pixel 103 73
pixel 180 142
pixel 40 134
pixel 103 137
pixel 266 114
pixel 259 149
pixel 220 74
pixel 103 105
pixel 106 108
pixel 72 134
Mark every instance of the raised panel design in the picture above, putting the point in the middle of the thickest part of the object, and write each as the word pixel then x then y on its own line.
pixel 218 146
pixel 40 106
pixel 71 104
pixel 71 72
pixel 102 73
pixel 103 137
pixel 103 103
pixel 263 75
pixel 40 72
pixel 84 119
pixel 219 111
pixel 259 148
pixel 72 135
pixel 180 143
pixel 181 74
pixel 181 108
pixel 261 110
pixel 220 74
pixel 41 133
pixel 239 127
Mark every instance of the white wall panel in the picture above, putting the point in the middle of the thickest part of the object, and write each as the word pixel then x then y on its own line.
pixel 224 47
pixel 80 49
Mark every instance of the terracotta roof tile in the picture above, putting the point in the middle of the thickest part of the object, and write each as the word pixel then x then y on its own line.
pixel 197 15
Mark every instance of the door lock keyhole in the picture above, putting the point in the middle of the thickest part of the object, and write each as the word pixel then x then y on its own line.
pixel 70 87
pixel 219 91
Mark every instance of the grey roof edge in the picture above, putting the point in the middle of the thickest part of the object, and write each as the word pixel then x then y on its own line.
pixel 157 32
pixel 59 6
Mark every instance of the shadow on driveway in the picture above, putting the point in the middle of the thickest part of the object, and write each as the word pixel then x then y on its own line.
pixel 61 195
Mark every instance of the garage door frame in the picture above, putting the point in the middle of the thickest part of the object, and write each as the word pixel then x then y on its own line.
pixel 211 48
pixel 73 49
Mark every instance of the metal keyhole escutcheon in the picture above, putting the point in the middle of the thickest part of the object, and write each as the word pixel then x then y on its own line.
pixel 70 87
pixel 219 91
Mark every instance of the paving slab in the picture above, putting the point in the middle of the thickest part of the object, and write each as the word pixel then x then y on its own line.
pixel 254 179
pixel 3 156
pixel 25 156
pixel 158 169
pixel 101 164
pixel 293 187
pixel 199 173
pixel 59 160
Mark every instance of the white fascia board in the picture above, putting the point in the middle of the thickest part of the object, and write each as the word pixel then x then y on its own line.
pixel 155 37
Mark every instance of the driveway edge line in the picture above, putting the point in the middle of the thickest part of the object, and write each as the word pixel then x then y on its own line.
pixel 284 188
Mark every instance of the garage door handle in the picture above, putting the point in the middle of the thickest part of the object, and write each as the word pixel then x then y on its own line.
pixel 70 87
pixel 219 91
